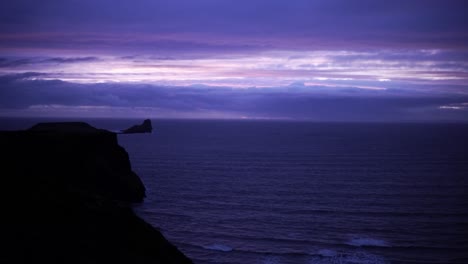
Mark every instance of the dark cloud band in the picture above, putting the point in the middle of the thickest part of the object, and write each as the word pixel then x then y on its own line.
pixel 19 94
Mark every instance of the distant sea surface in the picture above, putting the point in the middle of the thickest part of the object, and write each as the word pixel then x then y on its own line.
pixel 290 192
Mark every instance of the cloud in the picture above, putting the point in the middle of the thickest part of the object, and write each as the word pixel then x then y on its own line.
pixel 20 94
pixel 70 60
pixel 7 80
pixel 33 61
pixel 455 106
pixel 12 63
pixel 197 26
pixel 273 68
pixel 317 60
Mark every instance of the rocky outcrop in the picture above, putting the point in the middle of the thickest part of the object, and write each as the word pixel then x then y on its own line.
pixel 66 190
pixel 145 127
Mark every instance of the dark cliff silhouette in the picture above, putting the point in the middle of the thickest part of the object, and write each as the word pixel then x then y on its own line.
pixel 66 192
pixel 145 127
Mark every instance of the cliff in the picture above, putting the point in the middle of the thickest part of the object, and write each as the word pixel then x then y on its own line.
pixel 66 194
pixel 145 127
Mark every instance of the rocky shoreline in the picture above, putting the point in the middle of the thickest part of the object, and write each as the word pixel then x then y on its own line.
pixel 66 195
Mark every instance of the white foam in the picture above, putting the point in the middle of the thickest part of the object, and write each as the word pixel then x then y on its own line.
pixel 367 241
pixel 218 247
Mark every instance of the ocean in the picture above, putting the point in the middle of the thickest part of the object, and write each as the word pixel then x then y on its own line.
pixel 278 192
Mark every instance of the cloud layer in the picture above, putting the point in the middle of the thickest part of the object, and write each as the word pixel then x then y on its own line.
pixel 315 60
pixel 22 96
pixel 365 69
pixel 207 25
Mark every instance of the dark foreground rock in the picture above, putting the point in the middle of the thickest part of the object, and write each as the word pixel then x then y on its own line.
pixel 145 127
pixel 66 190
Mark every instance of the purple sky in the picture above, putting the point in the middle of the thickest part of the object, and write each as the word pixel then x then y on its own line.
pixel 322 60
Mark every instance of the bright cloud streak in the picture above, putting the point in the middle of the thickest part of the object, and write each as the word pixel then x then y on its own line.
pixel 264 69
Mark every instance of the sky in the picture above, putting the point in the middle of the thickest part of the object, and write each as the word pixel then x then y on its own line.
pixel 316 60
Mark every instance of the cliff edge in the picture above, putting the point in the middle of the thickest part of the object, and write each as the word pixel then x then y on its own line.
pixel 145 127
pixel 66 194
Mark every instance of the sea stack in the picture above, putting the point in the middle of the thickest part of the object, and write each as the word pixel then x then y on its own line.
pixel 145 127
pixel 67 190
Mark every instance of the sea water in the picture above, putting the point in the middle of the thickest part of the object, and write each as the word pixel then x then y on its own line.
pixel 298 192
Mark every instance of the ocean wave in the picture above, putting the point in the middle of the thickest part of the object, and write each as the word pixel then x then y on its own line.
pixel 322 256
pixel 367 242
pixel 218 247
